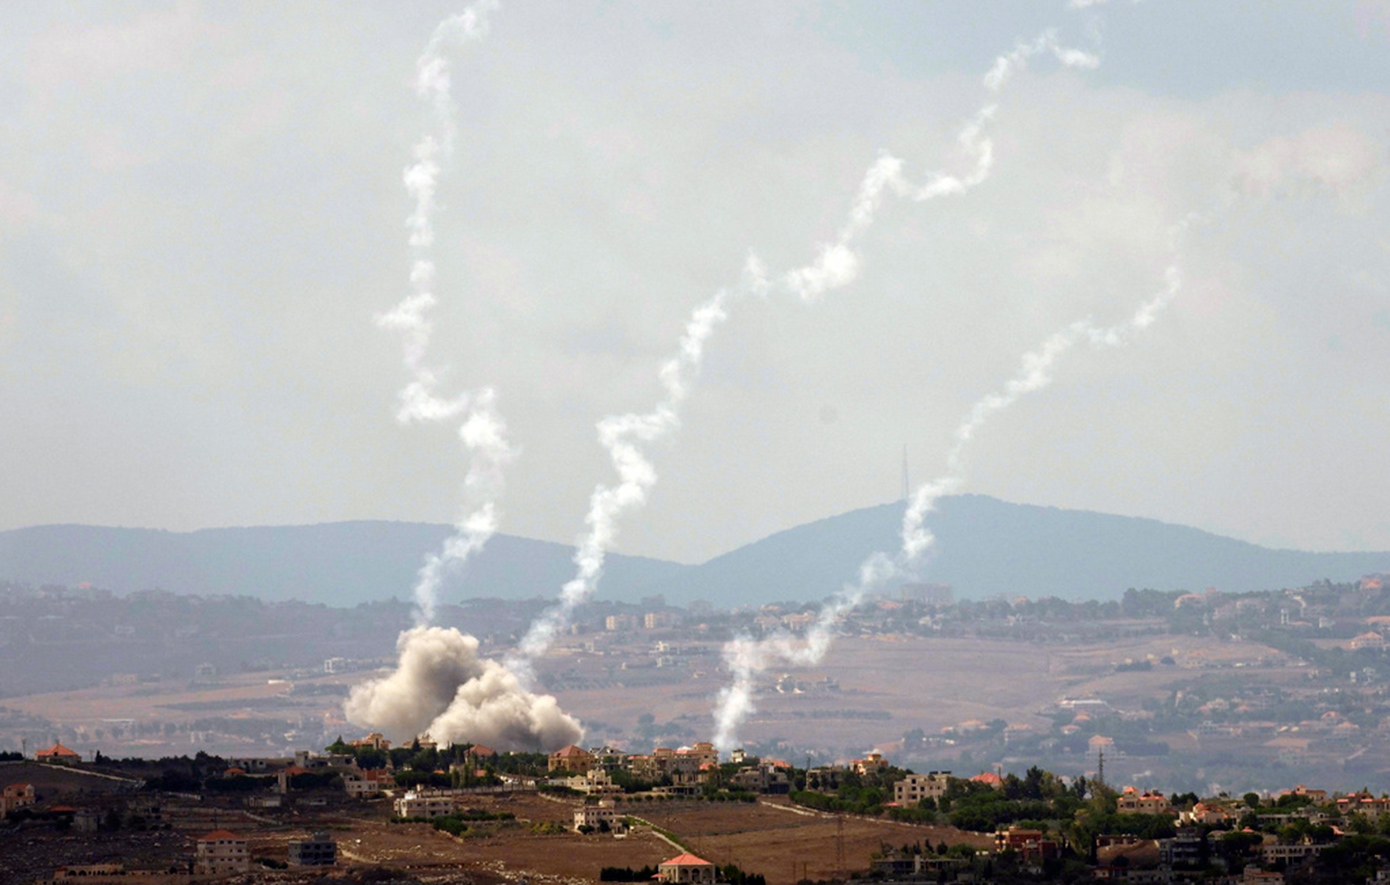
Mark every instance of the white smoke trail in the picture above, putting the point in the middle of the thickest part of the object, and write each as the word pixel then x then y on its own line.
pixel 747 658
pixel 440 684
pixel 483 432
pixel 625 437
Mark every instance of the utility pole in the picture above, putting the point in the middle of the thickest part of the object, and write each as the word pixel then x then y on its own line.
pixel 840 847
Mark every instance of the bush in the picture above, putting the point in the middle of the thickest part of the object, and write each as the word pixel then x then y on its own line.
pixel 626 874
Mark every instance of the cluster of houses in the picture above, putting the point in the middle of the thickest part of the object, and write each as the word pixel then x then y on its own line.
pixel 681 771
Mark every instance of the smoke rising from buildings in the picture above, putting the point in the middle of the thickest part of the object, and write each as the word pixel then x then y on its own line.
pixel 483 432
pixel 626 437
pixel 441 686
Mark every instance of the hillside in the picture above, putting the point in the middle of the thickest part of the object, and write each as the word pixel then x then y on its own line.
pixel 341 563
pixel 985 547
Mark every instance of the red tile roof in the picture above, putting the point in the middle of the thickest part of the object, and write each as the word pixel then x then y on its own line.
pixel 221 835
pixel 687 860
pixel 57 750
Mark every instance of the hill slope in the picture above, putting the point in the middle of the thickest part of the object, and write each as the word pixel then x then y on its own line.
pixel 985 547
pixel 341 563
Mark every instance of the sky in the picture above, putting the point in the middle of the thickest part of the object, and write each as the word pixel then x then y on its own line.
pixel 202 212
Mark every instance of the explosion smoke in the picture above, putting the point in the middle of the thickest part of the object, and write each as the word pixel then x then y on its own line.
pixel 746 658
pixel 836 264
pixel 483 432
pixel 441 686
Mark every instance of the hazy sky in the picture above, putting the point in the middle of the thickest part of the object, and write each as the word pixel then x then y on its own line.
pixel 201 211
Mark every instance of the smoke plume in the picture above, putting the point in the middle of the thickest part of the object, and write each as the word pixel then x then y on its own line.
pixel 483 432
pixel 626 437
pixel 441 686
pixel 747 658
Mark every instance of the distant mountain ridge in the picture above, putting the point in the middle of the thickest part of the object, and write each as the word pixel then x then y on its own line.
pixel 340 563
pixel 985 547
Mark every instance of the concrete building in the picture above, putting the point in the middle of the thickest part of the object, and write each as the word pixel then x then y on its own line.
pixel 317 851
pixel 221 853
pixel 916 787
pixel 595 816
pixel 426 804
pixel 366 784
pixel 16 796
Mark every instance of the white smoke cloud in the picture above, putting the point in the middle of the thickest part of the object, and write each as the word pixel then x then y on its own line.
pixel 746 658
pixel 626 437
pixel 441 686
pixel 483 432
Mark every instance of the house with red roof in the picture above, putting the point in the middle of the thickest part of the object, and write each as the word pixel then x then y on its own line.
pixel 685 868
pixel 989 779
pixel 571 758
pixel 221 853
pixel 59 754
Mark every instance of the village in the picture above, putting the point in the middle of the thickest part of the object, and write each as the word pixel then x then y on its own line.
pixel 429 813
pixel 1197 692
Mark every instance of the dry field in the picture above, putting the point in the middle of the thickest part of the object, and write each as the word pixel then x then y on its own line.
pixel 935 683
pixel 906 683
pixel 782 843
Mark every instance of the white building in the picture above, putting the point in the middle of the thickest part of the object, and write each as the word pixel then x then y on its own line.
pixel 594 816
pixel 422 804
pixel 221 853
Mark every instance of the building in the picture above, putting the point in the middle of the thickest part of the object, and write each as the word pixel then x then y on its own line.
pixel 595 817
pixel 1131 801
pixel 59 755
pixel 765 777
pixel 916 787
pixel 317 851
pixel 1187 846
pixel 620 623
pixel 1032 846
pixel 426 804
pixel 373 741
pixel 597 780
pixel 1205 814
pixel 16 796
pixel 872 763
pixel 221 853
pixel 685 868
pixel 1289 854
pixel 366 784
pixel 571 758
pixel 1368 640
